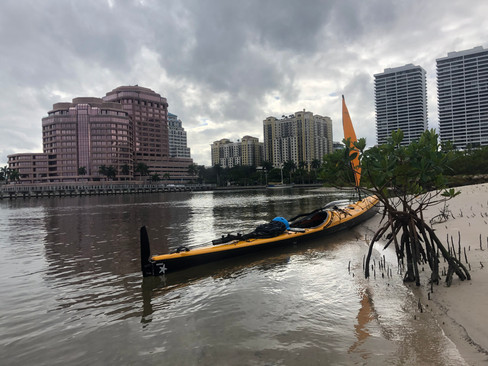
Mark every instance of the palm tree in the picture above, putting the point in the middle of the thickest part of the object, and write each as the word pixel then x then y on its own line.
pixel 192 169
pixel 290 167
pixel 82 170
pixel 14 175
pixel 315 165
pixel 201 173
pixel 301 168
pixel 125 169
pixel 267 166
pixel 102 170
pixel 218 171
pixel 111 172
pixel 4 174
pixel 142 169
pixel 155 177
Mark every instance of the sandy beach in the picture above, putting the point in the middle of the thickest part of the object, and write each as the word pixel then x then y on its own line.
pixel 460 309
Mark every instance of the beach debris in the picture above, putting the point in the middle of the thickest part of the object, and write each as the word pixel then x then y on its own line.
pixel 443 216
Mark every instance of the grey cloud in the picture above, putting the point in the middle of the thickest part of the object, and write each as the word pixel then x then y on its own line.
pixel 230 56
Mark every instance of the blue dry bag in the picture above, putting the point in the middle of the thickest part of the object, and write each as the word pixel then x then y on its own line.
pixel 283 220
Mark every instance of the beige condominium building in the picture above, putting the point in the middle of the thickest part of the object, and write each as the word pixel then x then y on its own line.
pixel 300 137
pixel 228 154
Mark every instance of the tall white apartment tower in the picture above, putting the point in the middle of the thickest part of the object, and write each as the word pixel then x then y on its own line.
pixel 401 102
pixel 462 97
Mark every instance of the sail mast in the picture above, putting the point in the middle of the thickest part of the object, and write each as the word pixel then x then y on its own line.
pixel 349 133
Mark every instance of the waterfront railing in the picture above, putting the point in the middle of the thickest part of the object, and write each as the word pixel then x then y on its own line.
pixel 94 188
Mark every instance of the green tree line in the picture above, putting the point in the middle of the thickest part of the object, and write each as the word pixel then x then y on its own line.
pixel 467 162
pixel 461 166
pixel 9 175
pixel 243 175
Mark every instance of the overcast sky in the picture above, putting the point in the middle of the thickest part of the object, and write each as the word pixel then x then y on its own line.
pixel 223 65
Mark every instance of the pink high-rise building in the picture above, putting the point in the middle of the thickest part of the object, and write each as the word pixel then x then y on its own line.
pixel 149 114
pixel 82 136
pixel 121 131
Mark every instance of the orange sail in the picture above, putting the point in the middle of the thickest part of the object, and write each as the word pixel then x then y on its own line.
pixel 349 133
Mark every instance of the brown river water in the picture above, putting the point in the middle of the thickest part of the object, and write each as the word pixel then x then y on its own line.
pixel 71 291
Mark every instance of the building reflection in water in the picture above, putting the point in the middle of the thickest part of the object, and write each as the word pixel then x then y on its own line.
pixel 91 244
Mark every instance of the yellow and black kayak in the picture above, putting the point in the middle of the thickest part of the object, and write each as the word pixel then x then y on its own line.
pixel 335 216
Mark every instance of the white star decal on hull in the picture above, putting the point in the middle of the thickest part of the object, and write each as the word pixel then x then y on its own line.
pixel 162 268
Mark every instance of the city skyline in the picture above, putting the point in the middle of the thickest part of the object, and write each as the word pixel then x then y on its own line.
pixel 223 67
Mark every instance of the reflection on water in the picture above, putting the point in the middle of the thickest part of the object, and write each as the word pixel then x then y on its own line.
pixel 365 315
pixel 72 292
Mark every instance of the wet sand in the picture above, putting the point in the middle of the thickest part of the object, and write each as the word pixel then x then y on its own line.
pixel 461 310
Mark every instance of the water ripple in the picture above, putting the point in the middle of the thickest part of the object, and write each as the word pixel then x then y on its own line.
pixel 72 292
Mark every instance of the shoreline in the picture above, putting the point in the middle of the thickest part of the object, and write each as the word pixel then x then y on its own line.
pixel 460 310
pixel 51 190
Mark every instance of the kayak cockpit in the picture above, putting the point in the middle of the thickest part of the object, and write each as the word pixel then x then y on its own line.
pixel 310 221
